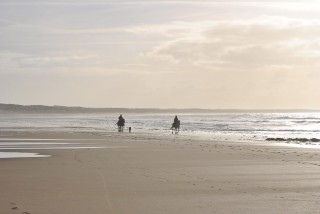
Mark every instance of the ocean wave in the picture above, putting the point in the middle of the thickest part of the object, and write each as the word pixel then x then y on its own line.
pixel 294 118
pixel 271 125
pixel 312 140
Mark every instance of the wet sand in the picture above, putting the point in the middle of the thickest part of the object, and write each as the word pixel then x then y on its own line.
pixel 140 173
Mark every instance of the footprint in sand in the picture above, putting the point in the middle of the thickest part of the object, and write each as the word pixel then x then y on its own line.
pixel 15 207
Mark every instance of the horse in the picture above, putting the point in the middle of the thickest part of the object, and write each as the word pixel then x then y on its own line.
pixel 120 125
pixel 175 126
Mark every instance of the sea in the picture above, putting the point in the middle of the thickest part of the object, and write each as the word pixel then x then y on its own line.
pixel 289 129
pixel 295 127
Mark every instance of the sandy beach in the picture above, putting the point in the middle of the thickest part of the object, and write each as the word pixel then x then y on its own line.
pixel 159 107
pixel 141 173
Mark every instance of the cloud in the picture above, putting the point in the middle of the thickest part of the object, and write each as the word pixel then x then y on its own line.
pixel 262 42
pixel 40 61
pixel 12 62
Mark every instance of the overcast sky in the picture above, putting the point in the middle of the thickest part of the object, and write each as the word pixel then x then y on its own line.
pixel 161 54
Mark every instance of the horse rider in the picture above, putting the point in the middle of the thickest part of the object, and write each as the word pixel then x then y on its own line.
pixel 175 125
pixel 121 121
pixel 176 122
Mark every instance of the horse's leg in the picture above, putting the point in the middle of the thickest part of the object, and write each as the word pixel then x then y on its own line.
pixel 177 129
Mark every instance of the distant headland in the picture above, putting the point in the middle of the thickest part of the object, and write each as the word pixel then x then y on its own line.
pixel 43 109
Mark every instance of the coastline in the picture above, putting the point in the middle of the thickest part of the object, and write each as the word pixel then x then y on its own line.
pixel 143 173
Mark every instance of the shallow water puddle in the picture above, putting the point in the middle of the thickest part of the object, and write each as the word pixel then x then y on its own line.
pixel 21 155
pixel 9 145
pixel 64 147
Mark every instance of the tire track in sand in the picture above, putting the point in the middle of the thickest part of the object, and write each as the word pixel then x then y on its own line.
pixel 108 205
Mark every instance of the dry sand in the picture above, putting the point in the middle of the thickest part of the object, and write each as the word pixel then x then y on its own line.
pixel 144 174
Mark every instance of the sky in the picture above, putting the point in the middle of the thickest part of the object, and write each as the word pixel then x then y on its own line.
pixel 161 54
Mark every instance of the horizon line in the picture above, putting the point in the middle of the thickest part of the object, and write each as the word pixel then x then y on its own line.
pixel 170 108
